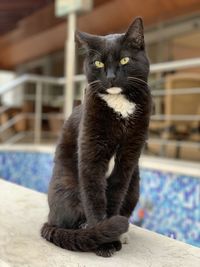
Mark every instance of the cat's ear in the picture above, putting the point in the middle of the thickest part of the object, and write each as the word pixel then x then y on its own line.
pixel 135 33
pixel 85 40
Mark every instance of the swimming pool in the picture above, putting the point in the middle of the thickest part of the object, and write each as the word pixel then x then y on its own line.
pixel 170 192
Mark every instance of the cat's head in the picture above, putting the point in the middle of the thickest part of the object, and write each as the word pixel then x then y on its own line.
pixel 115 60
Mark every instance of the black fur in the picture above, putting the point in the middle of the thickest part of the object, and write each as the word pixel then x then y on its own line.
pixel 88 239
pixel 79 195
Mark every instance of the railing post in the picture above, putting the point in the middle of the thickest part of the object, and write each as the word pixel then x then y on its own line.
pixel 69 65
pixel 83 88
pixel 38 113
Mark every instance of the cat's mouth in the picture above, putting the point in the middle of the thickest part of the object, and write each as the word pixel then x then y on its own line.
pixel 114 90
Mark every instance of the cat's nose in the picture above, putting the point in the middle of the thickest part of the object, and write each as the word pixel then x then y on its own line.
pixel 111 76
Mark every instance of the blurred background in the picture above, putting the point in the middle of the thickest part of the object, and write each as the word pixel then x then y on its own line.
pixel 32 41
pixel 34 98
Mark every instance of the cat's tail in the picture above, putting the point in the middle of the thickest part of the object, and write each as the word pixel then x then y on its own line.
pixel 86 239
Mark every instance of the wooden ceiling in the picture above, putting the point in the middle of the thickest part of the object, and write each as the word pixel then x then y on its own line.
pixel 41 33
pixel 11 11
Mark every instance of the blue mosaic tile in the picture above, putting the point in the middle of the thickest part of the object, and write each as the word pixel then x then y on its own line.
pixel 169 203
pixel 32 170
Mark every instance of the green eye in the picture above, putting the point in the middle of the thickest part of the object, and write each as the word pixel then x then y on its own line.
pixel 99 64
pixel 124 60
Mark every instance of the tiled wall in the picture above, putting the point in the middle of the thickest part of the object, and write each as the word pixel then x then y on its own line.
pixel 169 203
pixel 32 170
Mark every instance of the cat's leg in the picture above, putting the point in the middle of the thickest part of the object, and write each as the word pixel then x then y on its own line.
pixel 66 210
pixel 132 195
pixel 126 167
pixel 93 164
pixel 130 201
pixel 117 188
pixel 93 187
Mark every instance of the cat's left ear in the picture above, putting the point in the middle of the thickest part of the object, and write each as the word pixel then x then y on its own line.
pixel 135 33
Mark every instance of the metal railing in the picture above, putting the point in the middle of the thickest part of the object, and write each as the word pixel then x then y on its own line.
pixel 39 81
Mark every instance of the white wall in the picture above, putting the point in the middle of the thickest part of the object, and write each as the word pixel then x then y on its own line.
pixel 13 97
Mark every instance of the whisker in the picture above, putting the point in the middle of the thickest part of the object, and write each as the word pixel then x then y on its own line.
pixel 137 79
pixel 97 85
pixel 96 81
pixel 134 84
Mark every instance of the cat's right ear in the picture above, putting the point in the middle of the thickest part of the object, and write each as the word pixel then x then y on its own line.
pixel 84 39
pixel 80 38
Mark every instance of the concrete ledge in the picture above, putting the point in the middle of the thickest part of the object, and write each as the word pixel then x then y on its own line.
pixel 182 167
pixel 22 212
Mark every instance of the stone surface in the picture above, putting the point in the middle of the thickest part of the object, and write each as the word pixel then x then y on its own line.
pixel 169 201
pixel 22 212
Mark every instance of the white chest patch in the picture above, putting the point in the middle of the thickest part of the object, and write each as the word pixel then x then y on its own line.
pixel 118 102
pixel 111 165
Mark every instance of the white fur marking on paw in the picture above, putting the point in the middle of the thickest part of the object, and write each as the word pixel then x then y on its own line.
pixel 124 238
pixel 119 104
pixel 111 165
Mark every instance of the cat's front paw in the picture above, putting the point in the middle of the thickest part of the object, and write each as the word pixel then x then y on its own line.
pixel 124 238
pixel 117 244
pixel 108 249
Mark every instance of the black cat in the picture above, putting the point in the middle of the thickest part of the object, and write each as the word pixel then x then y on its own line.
pixel 95 183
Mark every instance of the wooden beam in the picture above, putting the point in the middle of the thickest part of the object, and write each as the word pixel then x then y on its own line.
pixel 13 11
pixel 6 5
pixel 39 21
pixel 112 16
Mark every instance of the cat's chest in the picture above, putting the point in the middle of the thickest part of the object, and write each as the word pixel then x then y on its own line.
pixel 119 104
